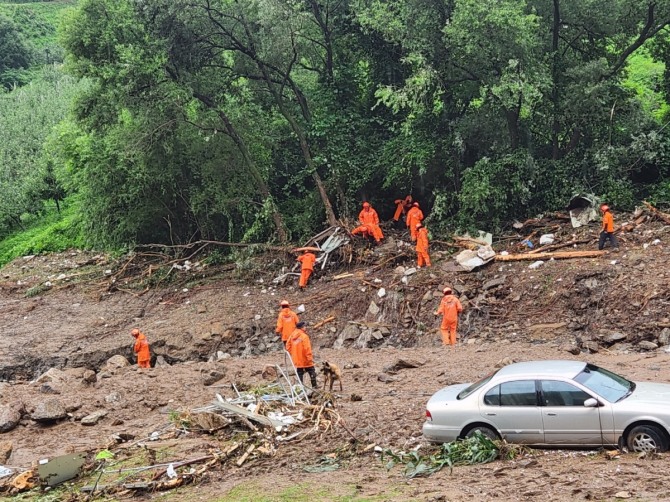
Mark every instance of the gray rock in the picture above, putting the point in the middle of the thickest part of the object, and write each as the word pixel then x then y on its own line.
pixel 6 448
pixel 646 345
pixel 46 388
pixel 364 339
pixel 93 418
pixel 212 376
pixel 160 361
pixel 572 349
pixel 386 378
pixel 427 297
pixel 116 362
pixel 493 283
pixel 410 271
pixel 400 270
pixel 373 309
pixel 49 411
pixel 385 331
pixel 89 376
pixel 113 397
pixel 664 337
pixel 350 332
pixel 377 335
pixel 10 416
pixel 591 346
pixel 104 374
pixel 403 364
pixel 615 337
pixel 52 375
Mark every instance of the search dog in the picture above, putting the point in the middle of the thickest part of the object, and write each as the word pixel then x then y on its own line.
pixel 331 372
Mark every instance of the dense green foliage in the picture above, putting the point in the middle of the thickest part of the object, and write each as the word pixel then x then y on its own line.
pixel 263 119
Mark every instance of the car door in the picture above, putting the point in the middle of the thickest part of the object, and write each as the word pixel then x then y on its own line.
pixel 565 419
pixel 513 408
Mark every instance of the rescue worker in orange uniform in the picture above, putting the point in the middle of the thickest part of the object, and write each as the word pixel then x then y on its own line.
pixel 414 216
pixel 307 260
pixel 286 321
pixel 402 206
pixel 422 257
pixel 607 231
pixel 449 307
pixel 300 348
pixel 141 348
pixel 369 223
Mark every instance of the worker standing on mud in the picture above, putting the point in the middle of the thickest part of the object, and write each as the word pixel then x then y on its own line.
pixel 307 260
pixel 402 206
pixel 414 216
pixel 607 231
pixel 300 349
pixel 286 321
pixel 450 307
pixel 141 348
pixel 422 257
pixel 369 226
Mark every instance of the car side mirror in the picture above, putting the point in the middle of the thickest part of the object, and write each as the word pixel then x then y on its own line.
pixel 591 403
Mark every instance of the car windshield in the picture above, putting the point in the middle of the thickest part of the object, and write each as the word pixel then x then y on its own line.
pixel 473 387
pixel 606 384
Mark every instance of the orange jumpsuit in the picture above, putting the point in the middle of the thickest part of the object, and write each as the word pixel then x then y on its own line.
pixel 141 348
pixel 286 322
pixel 401 206
pixel 300 348
pixel 449 307
pixel 307 260
pixel 414 216
pixel 370 220
pixel 422 247
pixel 608 222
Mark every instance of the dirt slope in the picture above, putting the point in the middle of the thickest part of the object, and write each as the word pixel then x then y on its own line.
pixel 74 311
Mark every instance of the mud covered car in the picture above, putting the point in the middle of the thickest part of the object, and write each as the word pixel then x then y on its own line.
pixel 554 403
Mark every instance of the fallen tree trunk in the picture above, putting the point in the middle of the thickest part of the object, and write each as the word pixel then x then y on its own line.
pixel 551 247
pixel 547 256
pixel 660 214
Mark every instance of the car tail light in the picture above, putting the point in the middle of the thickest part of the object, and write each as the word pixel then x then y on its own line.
pixel 429 416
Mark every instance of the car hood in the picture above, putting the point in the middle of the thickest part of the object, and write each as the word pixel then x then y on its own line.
pixel 447 394
pixel 649 392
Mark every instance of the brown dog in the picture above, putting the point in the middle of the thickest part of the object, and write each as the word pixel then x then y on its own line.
pixel 331 372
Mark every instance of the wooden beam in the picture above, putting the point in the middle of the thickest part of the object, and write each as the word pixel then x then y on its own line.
pixel 547 256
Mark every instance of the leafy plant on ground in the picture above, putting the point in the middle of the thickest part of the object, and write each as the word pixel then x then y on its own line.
pixel 477 449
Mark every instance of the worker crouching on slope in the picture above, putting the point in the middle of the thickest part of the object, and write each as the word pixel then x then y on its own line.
pixel 449 307
pixel 300 349
pixel 422 257
pixel 414 216
pixel 141 348
pixel 607 232
pixel 286 321
pixel 369 226
pixel 307 260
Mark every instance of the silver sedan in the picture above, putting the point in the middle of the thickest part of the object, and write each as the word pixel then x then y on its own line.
pixel 554 403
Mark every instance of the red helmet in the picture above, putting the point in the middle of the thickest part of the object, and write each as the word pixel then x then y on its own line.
pixel 604 208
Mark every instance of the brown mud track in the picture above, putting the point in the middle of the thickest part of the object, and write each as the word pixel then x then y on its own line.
pixel 603 309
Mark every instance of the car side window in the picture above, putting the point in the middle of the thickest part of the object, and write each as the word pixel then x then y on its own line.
pixel 518 393
pixel 492 397
pixel 557 393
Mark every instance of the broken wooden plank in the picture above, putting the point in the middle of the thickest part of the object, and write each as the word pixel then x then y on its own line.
pixel 238 410
pixel 546 256
pixel 246 454
pixel 342 276
pixel 325 321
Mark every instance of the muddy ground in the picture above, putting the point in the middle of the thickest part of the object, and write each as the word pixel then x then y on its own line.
pixel 213 324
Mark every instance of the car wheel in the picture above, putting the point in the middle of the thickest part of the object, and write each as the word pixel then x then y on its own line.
pixel 485 431
pixel 646 438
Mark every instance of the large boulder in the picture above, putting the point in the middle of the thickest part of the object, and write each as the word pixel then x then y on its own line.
pixel 52 375
pixel 116 362
pixel 349 333
pixel 10 416
pixel 49 411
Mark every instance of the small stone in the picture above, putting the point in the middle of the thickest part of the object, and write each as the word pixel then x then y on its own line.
pixel 46 388
pixel 6 448
pixel 646 345
pixel 89 376
pixel 52 375
pixel 377 335
pixel 201 309
pixel 104 374
pixel 93 418
pixel 10 416
pixel 356 397
pixel 49 411
pixel 211 377
pixel 113 397
pixel 614 337
pixel 117 421
pixel 572 349
pixel 504 362
pixel 373 309
pixel 664 337
pixel 591 346
pixel 400 270
pixel 220 355
pixel 493 283
pixel 386 378
pixel 269 373
pixel 410 271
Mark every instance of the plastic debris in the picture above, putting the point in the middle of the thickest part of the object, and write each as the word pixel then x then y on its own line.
pixel 546 239
pixel 536 264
